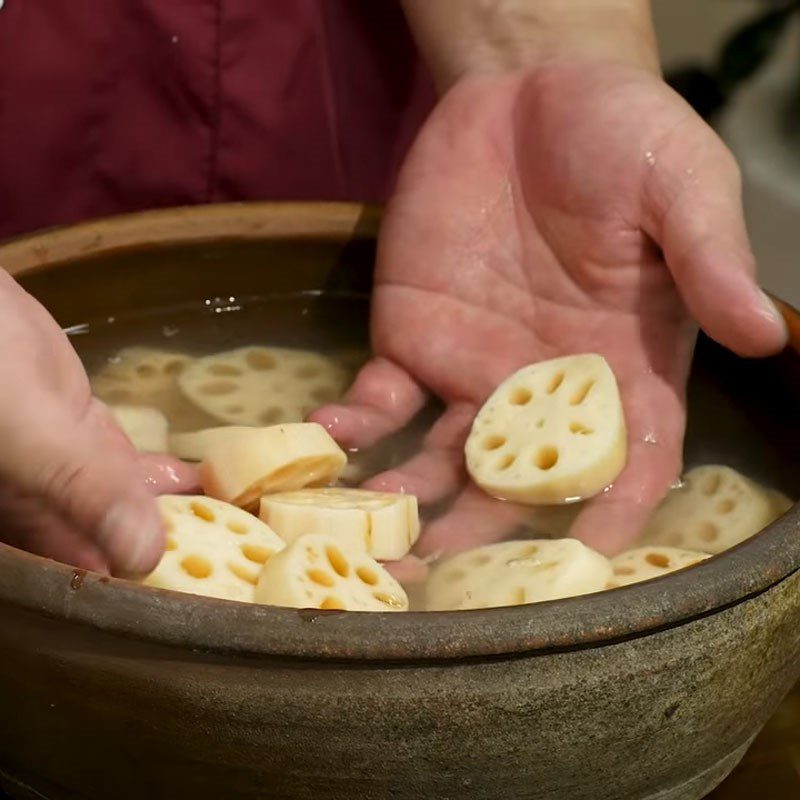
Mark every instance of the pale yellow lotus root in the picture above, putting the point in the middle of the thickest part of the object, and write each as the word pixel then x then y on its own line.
pixel 143 376
pixel 193 446
pixel 213 548
pixel 551 433
pixel 780 502
pixel 319 571
pixel 145 427
pixel 715 508
pixel 384 525
pixel 515 573
pixel 263 385
pixel 645 563
pixel 279 458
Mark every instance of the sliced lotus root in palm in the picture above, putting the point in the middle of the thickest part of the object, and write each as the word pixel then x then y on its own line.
pixel 645 563
pixel 383 524
pixel 715 508
pixel 213 548
pixel 194 445
pixel 146 428
pixel 319 571
pixel 553 432
pixel 141 376
pixel 241 468
pixel 515 573
pixel 263 385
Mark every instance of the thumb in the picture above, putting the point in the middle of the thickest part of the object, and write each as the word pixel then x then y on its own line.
pixel 97 487
pixel 697 218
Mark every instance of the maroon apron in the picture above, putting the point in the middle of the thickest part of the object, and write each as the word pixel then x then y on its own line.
pixel 109 106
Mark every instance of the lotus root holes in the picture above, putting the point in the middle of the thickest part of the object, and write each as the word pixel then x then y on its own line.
pixel 272 415
pixel 337 561
pixel 170 544
pixel 146 371
pixel 711 486
pixel 658 560
pixel 243 574
pixel 202 512
pixel 726 506
pixel 332 604
pixel 224 370
pixel 366 575
pixel 256 553
pixel 555 382
pixel 494 442
pixel 546 458
pixel 307 372
pixel 707 531
pixel 237 527
pixel 218 388
pixel 174 367
pixel 520 396
pixel 582 393
pixel 320 577
pixel 325 394
pixel 506 462
pixel 580 428
pixel 197 567
pixel 387 599
pixel 261 360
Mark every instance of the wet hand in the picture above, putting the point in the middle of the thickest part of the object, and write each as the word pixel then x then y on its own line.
pixel 72 487
pixel 579 207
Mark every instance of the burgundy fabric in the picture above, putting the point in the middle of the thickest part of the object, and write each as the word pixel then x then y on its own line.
pixel 109 106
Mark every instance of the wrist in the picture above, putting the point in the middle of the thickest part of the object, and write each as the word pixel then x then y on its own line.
pixel 465 38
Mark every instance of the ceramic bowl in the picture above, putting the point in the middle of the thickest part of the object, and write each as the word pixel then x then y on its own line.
pixel 110 690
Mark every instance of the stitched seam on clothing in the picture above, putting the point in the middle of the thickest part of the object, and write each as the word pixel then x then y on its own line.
pixel 215 108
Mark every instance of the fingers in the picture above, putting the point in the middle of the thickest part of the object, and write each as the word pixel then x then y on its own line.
pixel 474 519
pixel 438 470
pixel 656 417
pixel 28 524
pixel 612 521
pixel 408 570
pixel 96 488
pixel 694 198
pixel 383 398
pixel 167 475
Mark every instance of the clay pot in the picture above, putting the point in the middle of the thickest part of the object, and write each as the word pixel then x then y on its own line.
pixel 109 690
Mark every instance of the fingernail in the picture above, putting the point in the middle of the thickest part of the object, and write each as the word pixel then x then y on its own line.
pixel 133 537
pixel 774 312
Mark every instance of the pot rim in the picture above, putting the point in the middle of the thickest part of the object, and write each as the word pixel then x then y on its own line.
pixel 125 608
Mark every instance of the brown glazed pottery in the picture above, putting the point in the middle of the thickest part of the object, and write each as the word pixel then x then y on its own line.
pixel 110 691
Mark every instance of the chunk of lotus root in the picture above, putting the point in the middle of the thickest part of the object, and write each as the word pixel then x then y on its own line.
pixel 516 573
pixel 319 571
pixel 551 433
pixel 213 548
pixel 715 508
pixel 141 376
pixel 255 386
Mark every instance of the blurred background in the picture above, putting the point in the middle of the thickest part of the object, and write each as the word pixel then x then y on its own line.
pixel 738 63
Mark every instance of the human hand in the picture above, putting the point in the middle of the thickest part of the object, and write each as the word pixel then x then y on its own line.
pixel 580 206
pixel 72 487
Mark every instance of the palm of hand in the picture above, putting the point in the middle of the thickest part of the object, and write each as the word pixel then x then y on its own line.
pixel 523 228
